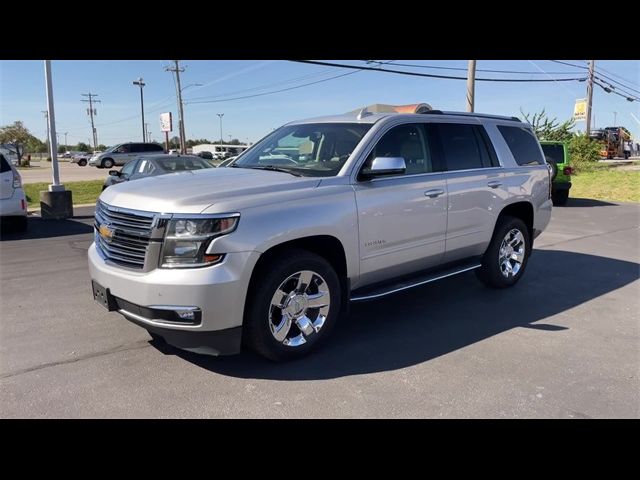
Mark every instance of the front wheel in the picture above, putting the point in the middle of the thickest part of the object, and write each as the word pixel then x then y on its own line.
pixel 107 163
pixel 293 305
pixel 82 163
pixel 505 260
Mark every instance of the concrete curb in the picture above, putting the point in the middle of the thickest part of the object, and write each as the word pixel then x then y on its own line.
pixel 37 210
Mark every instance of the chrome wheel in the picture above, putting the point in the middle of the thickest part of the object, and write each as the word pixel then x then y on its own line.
pixel 299 308
pixel 512 252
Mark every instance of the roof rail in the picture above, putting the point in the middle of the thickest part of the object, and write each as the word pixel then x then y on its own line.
pixel 471 114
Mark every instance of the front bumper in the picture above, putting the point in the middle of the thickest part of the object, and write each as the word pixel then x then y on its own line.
pixel 219 292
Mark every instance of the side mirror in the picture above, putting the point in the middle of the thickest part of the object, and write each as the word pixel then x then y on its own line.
pixel 383 166
pixel 114 173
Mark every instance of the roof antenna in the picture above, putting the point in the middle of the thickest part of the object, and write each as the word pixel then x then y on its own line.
pixel 363 113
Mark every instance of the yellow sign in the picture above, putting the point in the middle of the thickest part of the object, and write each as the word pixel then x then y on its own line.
pixel 580 110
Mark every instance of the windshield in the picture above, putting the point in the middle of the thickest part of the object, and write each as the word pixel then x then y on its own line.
pixel 554 151
pixel 111 149
pixel 310 150
pixel 183 163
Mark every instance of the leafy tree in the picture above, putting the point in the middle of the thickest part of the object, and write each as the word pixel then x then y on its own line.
pixel 62 148
pixel 17 135
pixel 102 147
pixel 83 147
pixel 547 128
pixel 174 142
pixel 583 152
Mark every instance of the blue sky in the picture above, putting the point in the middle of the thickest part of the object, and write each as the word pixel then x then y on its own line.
pixel 22 94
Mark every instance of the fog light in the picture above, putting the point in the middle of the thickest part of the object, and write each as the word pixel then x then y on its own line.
pixel 186 314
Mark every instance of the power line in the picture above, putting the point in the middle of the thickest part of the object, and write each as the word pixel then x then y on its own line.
pixel 274 91
pixel 447 77
pixel 599 72
pixel 479 69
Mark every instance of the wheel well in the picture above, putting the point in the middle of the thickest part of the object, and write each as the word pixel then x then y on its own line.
pixel 326 246
pixel 523 211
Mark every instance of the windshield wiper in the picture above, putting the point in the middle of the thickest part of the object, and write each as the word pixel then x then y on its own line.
pixel 273 168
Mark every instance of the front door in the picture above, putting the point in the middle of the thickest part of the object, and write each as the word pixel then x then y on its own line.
pixel 402 219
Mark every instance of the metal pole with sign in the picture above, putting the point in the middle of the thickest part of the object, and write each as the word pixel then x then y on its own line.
pixel 166 126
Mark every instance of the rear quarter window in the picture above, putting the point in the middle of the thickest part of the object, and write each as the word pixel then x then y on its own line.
pixel 523 145
pixel 4 164
pixel 553 152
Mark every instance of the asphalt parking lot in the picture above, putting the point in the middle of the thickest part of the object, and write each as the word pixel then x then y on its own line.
pixel 564 343
pixel 69 172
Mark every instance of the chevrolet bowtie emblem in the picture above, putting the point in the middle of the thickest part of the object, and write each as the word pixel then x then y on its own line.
pixel 106 232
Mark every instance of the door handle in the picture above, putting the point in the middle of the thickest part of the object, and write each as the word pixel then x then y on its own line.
pixel 494 184
pixel 433 193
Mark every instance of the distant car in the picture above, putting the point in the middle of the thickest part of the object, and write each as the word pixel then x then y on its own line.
pixel 205 155
pixel 124 153
pixel 13 202
pixel 148 166
pixel 81 158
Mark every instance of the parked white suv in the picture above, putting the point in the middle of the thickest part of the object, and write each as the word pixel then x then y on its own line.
pixel 322 212
pixel 13 202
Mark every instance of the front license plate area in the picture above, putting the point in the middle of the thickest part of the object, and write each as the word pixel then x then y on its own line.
pixel 103 297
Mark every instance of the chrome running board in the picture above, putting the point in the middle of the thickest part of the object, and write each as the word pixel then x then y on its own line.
pixel 381 291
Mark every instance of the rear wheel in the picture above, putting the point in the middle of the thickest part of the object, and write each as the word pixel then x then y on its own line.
pixel 293 306
pixel 560 197
pixel 82 163
pixel 505 260
pixel 107 163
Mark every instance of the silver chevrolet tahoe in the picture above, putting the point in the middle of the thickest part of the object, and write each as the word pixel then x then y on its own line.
pixel 270 251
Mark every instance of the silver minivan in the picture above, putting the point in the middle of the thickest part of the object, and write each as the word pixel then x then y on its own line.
pixel 123 153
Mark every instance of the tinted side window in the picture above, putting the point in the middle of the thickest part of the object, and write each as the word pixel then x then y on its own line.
pixel 463 146
pixel 129 168
pixel 152 147
pixel 4 165
pixel 137 148
pixel 406 141
pixel 523 145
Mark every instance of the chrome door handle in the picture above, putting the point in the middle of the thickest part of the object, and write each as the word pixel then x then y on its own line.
pixel 494 184
pixel 436 192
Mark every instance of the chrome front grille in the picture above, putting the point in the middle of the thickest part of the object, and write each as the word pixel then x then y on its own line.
pixel 126 236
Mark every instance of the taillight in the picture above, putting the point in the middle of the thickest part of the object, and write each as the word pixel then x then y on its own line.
pixel 17 181
pixel 23 204
pixel 567 170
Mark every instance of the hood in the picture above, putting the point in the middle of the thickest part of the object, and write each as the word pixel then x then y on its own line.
pixel 194 191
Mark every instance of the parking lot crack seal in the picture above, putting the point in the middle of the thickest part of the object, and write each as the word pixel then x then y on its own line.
pixel 119 348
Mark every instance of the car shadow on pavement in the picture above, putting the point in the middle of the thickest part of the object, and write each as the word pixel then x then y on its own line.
pixel 587 202
pixel 40 228
pixel 418 325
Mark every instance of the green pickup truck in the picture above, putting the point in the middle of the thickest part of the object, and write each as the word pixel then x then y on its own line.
pixel 557 155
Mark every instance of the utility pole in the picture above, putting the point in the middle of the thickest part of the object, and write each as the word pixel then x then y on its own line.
pixel 177 70
pixel 590 95
pixel 221 115
pixel 66 145
pixel 471 85
pixel 92 111
pixel 141 84
pixel 615 119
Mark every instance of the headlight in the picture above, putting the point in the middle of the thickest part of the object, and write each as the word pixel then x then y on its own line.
pixel 187 239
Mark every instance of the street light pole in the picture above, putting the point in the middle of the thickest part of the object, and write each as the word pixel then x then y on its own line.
pixel 66 145
pixel 141 84
pixel 615 119
pixel 221 115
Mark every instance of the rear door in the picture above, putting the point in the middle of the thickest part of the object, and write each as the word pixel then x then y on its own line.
pixel 475 186
pixel 6 178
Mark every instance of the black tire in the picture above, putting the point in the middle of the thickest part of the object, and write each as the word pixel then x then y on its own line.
pixel 257 331
pixel 626 155
pixel 560 198
pixel 82 163
pixel 155 338
pixel 554 167
pixel 106 163
pixel 490 272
